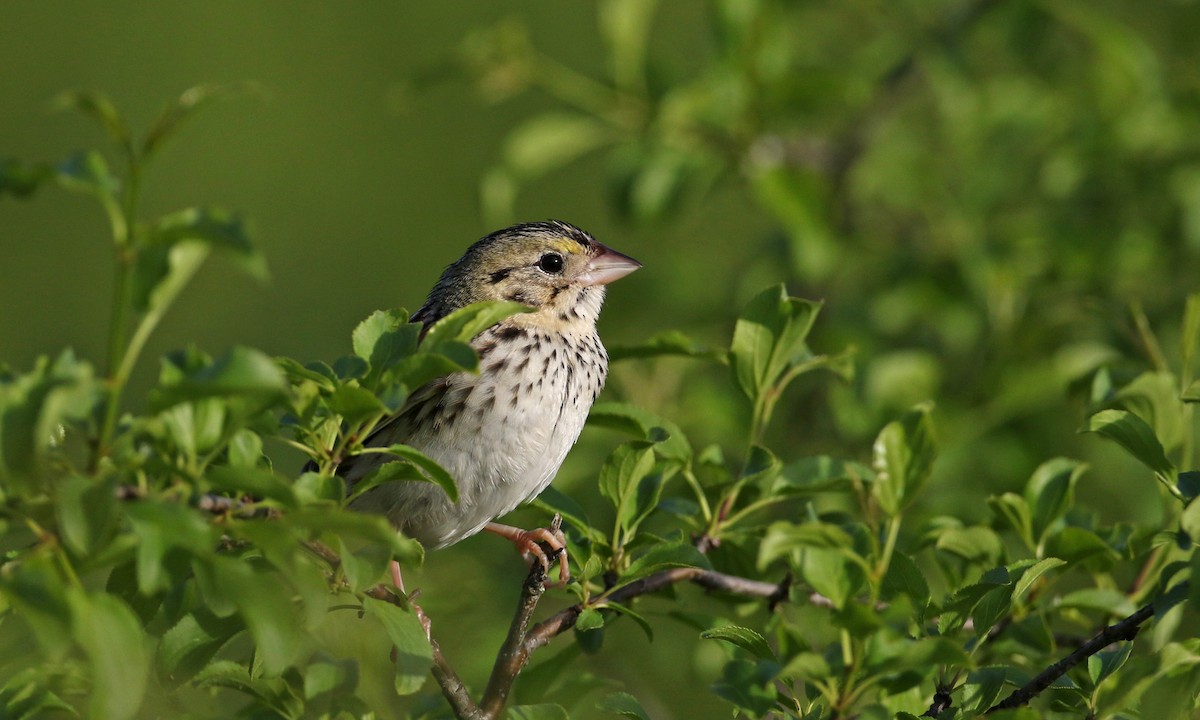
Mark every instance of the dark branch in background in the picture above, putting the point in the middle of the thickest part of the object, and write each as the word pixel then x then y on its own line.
pixel 941 701
pixel 1126 629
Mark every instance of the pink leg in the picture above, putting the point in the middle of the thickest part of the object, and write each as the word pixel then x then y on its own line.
pixel 527 544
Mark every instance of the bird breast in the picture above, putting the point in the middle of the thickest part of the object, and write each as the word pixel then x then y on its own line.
pixel 502 433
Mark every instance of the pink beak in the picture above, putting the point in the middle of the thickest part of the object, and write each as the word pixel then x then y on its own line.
pixel 609 265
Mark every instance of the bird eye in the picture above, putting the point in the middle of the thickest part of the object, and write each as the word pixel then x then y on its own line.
pixel 551 263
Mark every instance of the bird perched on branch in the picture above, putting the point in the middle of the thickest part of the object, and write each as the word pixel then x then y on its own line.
pixel 503 433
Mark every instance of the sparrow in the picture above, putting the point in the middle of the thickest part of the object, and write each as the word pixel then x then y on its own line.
pixel 502 433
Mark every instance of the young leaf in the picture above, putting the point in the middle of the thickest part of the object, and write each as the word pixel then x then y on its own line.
pixel 414 655
pixel 1031 575
pixel 768 336
pixel 100 107
pixel 621 473
pixel 464 324
pixel 903 459
pixel 213 228
pixel 589 619
pixel 384 338
pixel 743 637
pixel 182 107
pixel 1132 433
pixel 1051 492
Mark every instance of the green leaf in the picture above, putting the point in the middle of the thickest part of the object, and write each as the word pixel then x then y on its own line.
pixel 414 655
pixel 819 473
pixel 429 469
pixel 273 693
pixel 1132 433
pixel 1050 492
pixel 1031 575
pixel 551 140
pixel 663 556
pixel 637 618
pixel 87 512
pixel 831 573
pixel 589 619
pixel 1075 544
pixel 161 527
pixel 332 678
pixel 384 338
pixel 903 459
pixel 268 613
pixel 252 481
pixel 462 325
pixel 355 404
pixel 762 467
pixel 240 373
pixel 1191 394
pixel 1015 511
pixel 768 337
pixel 22 179
pixel 670 342
pixel 184 106
pixel 88 173
pixel 1105 600
pixel 1105 663
pixel 34 589
pixel 783 538
pixel 191 643
pixel 374 528
pixel 905 578
pixel 623 704
pixel 177 244
pixel 742 637
pixel 34 407
pixel 975 544
pixel 101 108
pixel 1154 397
pixel 112 638
pixel 628 464
pixel 643 425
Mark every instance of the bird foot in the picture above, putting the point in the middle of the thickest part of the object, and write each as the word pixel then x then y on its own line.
pixel 398 581
pixel 529 544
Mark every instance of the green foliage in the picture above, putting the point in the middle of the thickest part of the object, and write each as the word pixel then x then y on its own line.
pixel 159 559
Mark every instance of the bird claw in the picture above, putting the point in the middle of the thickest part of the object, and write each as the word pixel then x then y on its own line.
pixel 529 544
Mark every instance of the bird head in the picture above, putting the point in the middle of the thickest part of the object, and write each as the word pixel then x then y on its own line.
pixel 553 267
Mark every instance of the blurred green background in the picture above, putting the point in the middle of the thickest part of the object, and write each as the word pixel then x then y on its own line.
pixel 978 191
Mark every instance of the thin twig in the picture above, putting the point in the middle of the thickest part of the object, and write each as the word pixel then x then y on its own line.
pixel 1126 629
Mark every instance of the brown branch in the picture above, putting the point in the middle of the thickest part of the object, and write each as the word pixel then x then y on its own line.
pixel 512 657
pixel 1126 629
pixel 522 640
